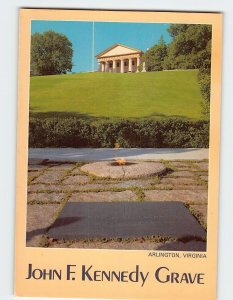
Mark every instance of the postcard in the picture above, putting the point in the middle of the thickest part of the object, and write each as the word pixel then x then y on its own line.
pixel 118 154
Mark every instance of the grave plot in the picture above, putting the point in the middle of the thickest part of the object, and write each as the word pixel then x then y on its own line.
pixel 125 220
pixel 57 188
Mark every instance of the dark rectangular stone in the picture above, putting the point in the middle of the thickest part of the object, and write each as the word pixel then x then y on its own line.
pixel 125 220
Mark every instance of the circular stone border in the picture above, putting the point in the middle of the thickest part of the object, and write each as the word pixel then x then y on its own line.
pixel 132 170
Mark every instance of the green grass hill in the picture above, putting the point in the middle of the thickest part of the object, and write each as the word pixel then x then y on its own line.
pixel 113 95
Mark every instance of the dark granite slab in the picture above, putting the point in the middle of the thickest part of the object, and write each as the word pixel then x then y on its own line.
pixel 88 220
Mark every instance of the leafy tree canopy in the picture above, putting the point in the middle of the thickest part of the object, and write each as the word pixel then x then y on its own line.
pixel 190 48
pixel 154 56
pixel 51 53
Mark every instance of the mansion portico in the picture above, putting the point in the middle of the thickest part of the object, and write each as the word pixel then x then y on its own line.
pixel 119 58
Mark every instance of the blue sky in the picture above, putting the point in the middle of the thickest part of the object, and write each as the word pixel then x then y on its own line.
pixel 136 35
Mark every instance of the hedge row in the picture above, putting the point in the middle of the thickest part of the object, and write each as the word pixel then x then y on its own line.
pixel 75 132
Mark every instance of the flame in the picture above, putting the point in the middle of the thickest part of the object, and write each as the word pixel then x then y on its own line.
pixel 121 161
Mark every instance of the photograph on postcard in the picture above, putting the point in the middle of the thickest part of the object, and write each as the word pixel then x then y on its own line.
pixel 119 117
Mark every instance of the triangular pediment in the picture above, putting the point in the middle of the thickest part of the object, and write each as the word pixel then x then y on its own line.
pixel 117 50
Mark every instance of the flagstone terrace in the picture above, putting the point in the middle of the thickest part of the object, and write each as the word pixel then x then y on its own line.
pixel 52 185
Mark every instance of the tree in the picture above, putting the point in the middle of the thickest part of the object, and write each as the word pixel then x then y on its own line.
pixel 51 53
pixel 154 56
pixel 188 44
pixel 191 49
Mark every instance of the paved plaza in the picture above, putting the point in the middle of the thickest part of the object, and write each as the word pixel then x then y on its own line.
pixel 53 185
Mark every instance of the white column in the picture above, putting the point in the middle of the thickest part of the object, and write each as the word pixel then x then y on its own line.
pixel 106 66
pixel 122 66
pixel 130 64
pixel 138 62
pixel 102 67
pixel 114 66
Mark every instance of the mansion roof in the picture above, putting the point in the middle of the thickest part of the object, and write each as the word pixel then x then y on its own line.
pixel 118 50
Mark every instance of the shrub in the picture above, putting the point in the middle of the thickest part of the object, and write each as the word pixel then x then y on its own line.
pixel 75 132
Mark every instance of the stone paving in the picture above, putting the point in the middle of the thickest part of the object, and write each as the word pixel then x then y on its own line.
pixel 126 170
pixel 52 185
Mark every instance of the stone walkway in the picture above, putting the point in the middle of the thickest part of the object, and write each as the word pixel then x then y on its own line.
pixel 52 185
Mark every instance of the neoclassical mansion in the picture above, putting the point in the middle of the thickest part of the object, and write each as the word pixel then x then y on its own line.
pixel 119 58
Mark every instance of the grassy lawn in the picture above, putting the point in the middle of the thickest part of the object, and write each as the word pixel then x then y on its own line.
pixel 137 95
